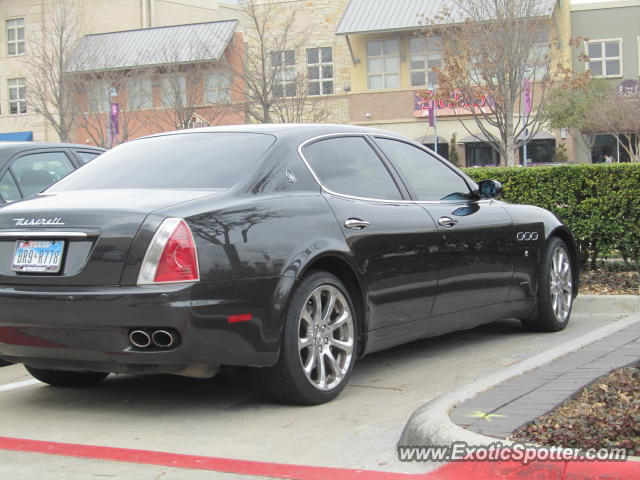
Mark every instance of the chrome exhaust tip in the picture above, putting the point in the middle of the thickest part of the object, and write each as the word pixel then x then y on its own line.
pixel 140 338
pixel 163 339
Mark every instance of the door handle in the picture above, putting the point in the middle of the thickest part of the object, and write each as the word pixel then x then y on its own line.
pixel 447 222
pixel 356 224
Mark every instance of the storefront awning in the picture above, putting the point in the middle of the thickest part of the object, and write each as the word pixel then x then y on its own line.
pixel 427 139
pixel 540 135
pixel 16 137
pixel 478 137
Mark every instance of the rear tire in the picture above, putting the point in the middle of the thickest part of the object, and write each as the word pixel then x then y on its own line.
pixel 319 344
pixel 64 378
pixel 555 289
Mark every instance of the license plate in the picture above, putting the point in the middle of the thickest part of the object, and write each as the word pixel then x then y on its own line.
pixel 43 256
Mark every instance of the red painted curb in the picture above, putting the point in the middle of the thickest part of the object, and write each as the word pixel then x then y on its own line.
pixel 196 462
pixel 449 471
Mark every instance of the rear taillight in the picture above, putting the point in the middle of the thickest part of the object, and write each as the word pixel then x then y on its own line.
pixel 172 256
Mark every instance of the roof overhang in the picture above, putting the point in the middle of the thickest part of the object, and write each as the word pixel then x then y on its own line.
pixel 173 45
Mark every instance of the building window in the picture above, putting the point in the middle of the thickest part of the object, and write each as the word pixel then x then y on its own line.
pixel 540 150
pixel 480 154
pixel 140 94
pixel 605 58
pixel 320 70
pixel 174 91
pixel 383 64
pixel 15 36
pixel 216 88
pixel 425 56
pixel 283 65
pixel 17 96
pixel 99 96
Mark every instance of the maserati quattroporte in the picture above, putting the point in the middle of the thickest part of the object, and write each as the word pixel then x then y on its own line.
pixel 293 249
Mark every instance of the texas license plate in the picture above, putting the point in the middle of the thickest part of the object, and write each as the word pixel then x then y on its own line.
pixel 42 256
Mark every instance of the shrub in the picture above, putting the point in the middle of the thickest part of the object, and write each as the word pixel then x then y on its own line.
pixel 599 203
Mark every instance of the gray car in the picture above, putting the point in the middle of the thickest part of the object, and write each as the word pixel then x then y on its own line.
pixel 27 168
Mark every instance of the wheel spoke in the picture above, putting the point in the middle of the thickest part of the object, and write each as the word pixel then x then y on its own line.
pixel 333 363
pixel 317 306
pixel 322 371
pixel 312 360
pixel 340 321
pixel 346 347
pixel 331 303
pixel 305 342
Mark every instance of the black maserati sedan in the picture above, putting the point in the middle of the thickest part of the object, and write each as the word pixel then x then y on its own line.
pixel 292 249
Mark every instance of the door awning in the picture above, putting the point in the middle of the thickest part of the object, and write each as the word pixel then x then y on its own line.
pixel 16 137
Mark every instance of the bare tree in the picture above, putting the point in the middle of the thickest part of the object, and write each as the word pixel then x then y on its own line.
pixel 50 92
pixel 273 83
pixel 502 50
pixel 95 92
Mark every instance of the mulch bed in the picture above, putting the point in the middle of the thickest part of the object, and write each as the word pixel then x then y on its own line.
pixel 603 415
pixel 610 282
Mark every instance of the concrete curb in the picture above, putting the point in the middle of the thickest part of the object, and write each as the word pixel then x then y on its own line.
pixel 431 424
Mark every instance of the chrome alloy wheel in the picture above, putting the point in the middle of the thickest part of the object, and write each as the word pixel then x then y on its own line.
pixel 326 337
pixel 561 284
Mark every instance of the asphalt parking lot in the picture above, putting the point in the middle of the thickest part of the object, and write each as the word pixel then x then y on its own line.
pixel 227 417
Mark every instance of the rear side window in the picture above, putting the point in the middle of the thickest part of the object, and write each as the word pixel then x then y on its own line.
pixel 348 165
pixel 430 179
pixel 8 189
pixel 188 160
pixel 86 157
pixel 37 171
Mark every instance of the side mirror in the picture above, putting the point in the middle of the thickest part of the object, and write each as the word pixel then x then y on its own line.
pixel 490 189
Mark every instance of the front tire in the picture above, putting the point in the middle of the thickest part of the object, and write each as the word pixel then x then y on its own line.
pixel 64 378
pixel 319 344
pixel 555 289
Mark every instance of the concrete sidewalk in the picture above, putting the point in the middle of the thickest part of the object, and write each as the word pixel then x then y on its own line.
pixel 517 401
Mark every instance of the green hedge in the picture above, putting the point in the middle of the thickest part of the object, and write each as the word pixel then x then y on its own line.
pixel 599 203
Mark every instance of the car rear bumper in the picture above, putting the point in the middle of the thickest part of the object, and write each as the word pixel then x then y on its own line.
pixel 88 328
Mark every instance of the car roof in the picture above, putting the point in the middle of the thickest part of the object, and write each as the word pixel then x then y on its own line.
pixel 293 131
pixel 13 147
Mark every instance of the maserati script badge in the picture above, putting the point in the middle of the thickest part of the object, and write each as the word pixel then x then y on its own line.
pixel 40 222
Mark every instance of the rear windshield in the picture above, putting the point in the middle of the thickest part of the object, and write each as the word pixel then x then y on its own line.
pixel 189 160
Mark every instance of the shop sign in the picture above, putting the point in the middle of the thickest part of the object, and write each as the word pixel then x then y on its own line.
pixel 457 104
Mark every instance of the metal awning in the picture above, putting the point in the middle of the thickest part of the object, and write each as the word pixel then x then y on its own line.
pixel 369 16
pixel 540 135
pixel 153 46
pixel 427 139
pixel 16 137
pixel 363 16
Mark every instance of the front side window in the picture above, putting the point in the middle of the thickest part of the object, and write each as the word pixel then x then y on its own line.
pixel 15 36
pixel 37 171
pixel 383 64
pixel 426 56
pixel 348 165
pixel 283 66
pixel 201 161
pixel 605 58
pixel 139 94
pixel 430 179
pixel 320 70
pixel 174 91
pixel 216 88
pixel 17 95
